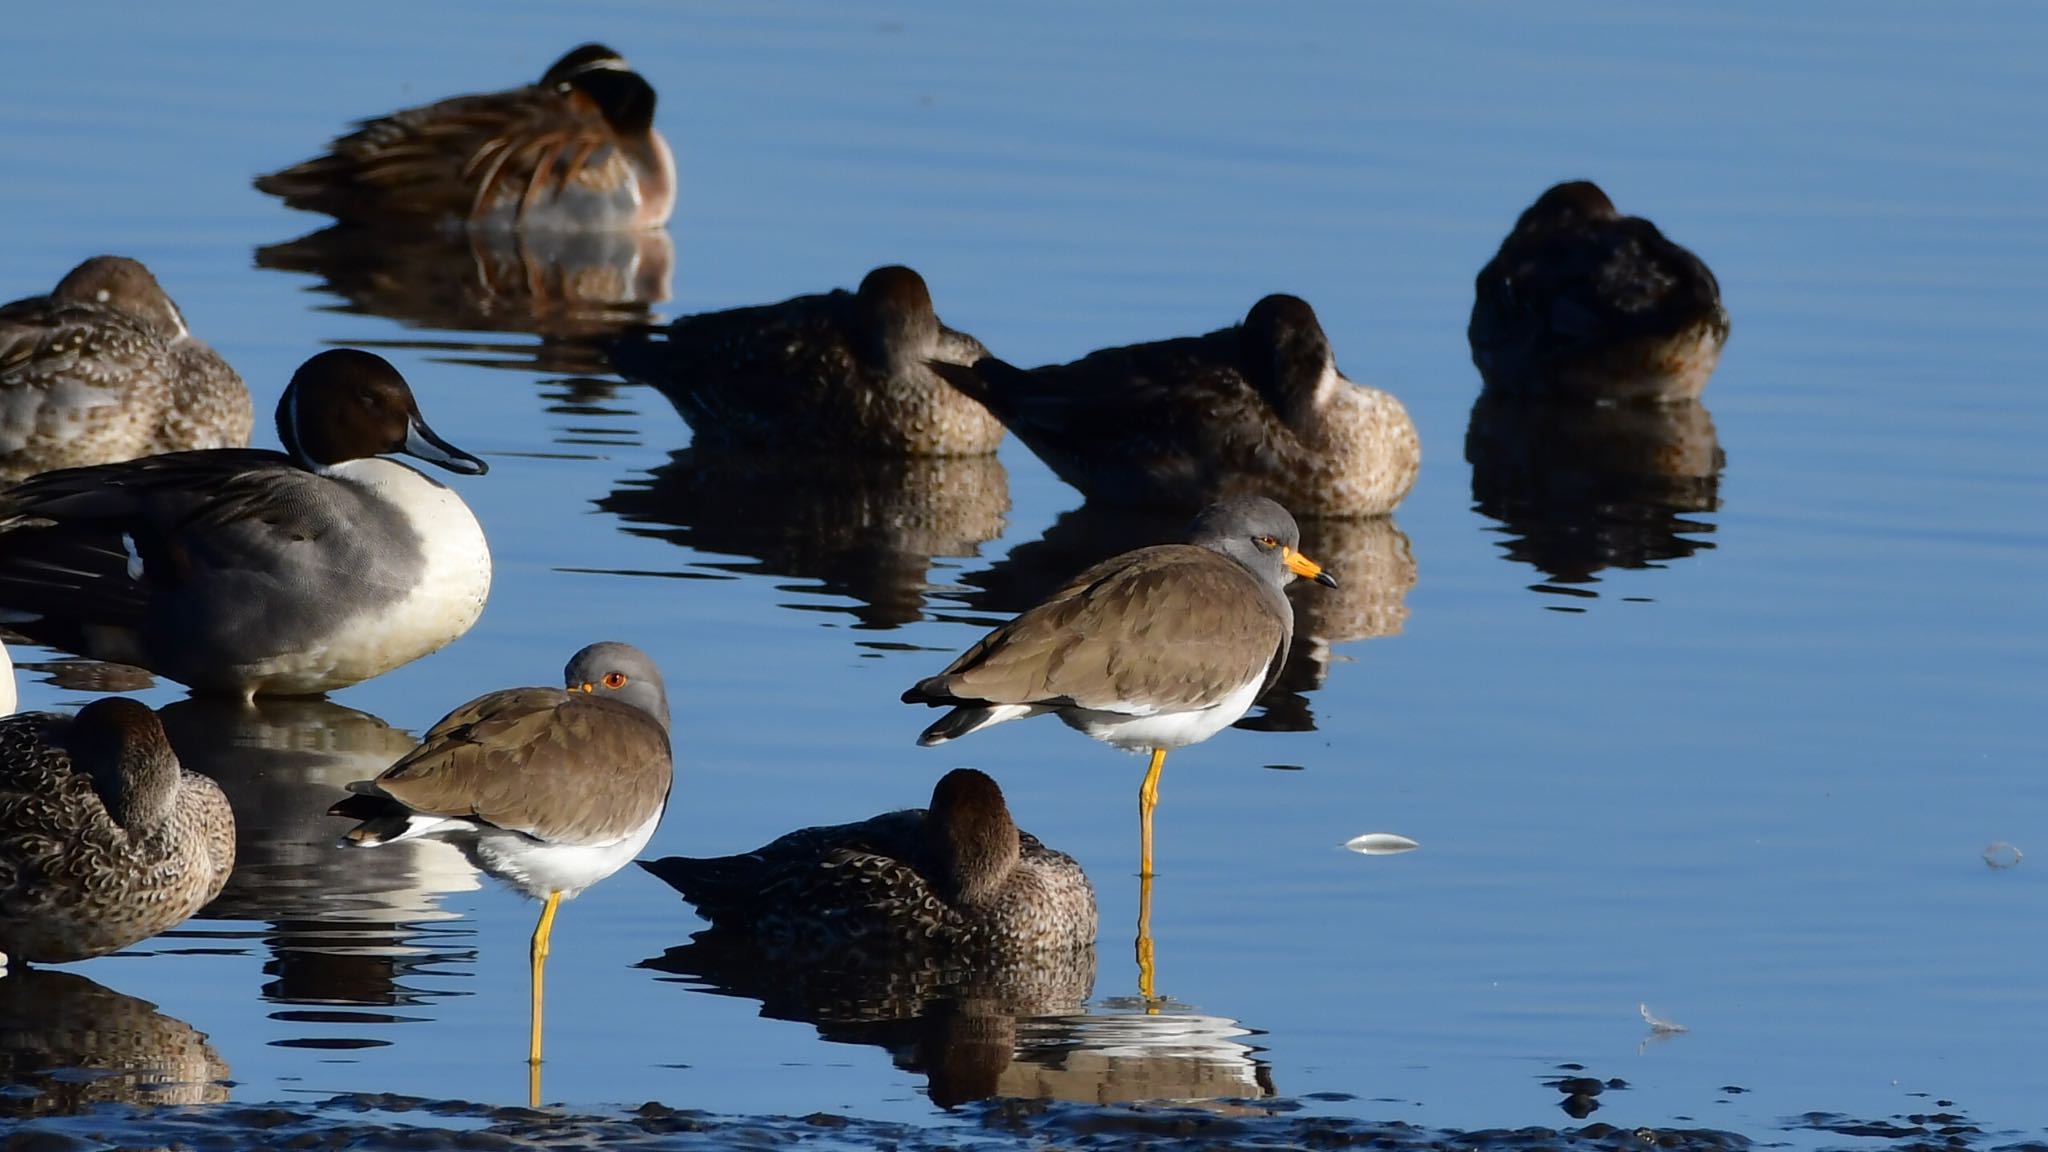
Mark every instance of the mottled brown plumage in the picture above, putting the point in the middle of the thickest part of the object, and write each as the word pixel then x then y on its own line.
pixel 575 152
pixel 1258 408
pixel 841 371
pixel 1583 303
pixel 79 1045
pixel 104 369
pixel 958 877
pixel 104 840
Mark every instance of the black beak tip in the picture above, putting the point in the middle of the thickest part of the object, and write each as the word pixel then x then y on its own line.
pixel 1326 580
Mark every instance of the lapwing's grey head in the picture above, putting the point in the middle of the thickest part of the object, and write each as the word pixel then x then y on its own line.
pixel 1259 534
pixel 123 284
pixel 1572 202
pixel 895 315
pixel 1286 356
pixel 619 672
pixel 347 404
pixel 622 96
pixel 971 839
pixel 121 746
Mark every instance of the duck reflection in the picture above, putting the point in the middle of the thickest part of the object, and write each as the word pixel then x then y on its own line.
pixel 1371 559
pixel 68 1044
pixel 1579 488
pixel 573 290
pixel 341 928
pixel 1015 1031
pixel 865 527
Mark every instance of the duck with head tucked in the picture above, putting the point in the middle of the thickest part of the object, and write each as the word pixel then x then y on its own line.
pixel 576 152
pixel 1582 303
pixel 958 878
pixel 104 368
pixel 240 571
pixel 839 371
pixel 104 839
pixel 1257 408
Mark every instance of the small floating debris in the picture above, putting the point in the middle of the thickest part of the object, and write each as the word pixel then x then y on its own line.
pixel 1661 1027
pixel 1380 844
pixel 2000 855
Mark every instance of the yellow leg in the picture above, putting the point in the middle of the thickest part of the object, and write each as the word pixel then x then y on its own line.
pixel 1147 977
pixel 1148 799
pixel 541 932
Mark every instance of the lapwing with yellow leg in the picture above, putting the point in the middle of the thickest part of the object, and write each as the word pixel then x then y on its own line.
pixel 548 789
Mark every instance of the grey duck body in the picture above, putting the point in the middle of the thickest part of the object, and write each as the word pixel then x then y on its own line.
pixel 103 369
pixel 104 839
pixel 965 881
pixel 839 371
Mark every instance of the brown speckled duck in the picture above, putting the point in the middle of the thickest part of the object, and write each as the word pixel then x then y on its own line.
pixel 1258 408
pixel 577 152
pixel 1583 303
pixel 104 840
pixel 841 371
pixel 959 877
pixel 103 369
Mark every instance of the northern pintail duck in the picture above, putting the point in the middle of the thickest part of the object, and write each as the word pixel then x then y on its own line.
pixel 1256 408
pixel 104 840
pixel 103 368
pixel 576 152
pixel 548 789
pixel 1583 303
pixel 249 572
pixel 958 877
pixel 838 371
pixel 1154 649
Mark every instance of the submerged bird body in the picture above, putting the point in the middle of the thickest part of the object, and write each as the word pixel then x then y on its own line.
pixel 1584 303
pixel 846 371
pixel 576 152
pixel 1154 649
pixel 548 789
pixel 958 878
pixel 1258 408
pixel 104 840
pixel 103 368
pixel 250 572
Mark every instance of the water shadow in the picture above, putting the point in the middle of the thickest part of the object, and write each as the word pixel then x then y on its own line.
pixel 1018 1031
pixel 343 926
pixel 69 1045
pixel 573 290
pixel 1581 488
pixel 864 527
pixel 1371 558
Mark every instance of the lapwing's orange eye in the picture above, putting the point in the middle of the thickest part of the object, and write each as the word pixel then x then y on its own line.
pixel 615 680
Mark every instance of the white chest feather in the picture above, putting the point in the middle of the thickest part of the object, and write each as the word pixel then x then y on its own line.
pixel 425 610
pixel 1163 729
pixel 538 868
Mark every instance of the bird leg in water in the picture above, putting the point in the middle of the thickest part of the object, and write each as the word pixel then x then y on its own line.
pixel 541 932
pixel 1147 979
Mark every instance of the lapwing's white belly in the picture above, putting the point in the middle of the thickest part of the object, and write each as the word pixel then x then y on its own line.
pixel 421 615
pixel 538 867
pixel 1134 733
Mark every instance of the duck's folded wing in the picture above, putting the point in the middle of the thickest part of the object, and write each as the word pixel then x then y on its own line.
pixel 561 767
pixel 1159 629
pixel 457 158
pixel 93 542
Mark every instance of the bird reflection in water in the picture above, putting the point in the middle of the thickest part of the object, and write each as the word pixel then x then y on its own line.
pixel 1583 487
pixel 1372 553
pixel 575 291
pixel 992 1031
pixel 68 1045
pixel 864 527
pixel 342 929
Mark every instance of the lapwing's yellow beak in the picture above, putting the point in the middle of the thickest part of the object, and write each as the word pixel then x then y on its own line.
pixel 1306 568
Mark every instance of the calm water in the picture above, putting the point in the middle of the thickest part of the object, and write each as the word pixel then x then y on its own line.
pixel 1734 752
